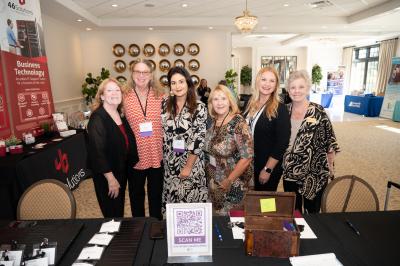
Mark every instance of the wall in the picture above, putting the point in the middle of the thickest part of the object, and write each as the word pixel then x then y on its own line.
pixel 64 55
pixel 243 54
pixel 214 56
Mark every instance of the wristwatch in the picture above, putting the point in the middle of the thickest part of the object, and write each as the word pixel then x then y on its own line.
pixel 268 170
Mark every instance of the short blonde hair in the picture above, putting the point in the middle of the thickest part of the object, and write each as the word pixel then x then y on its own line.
pixel 233 107
pixel 299 74
pixel 97 99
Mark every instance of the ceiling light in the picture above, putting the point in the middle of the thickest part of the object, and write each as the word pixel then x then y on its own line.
pixel 151 28
pixel 286 5
pixel 79 20
pixel 247 22
pixel 324 27
pixel 210 28
pixel 114 5
pixel 184 5
pixel 88 29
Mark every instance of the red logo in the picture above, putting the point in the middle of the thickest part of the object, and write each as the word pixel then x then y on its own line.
pixel 21 2
pixel 62 162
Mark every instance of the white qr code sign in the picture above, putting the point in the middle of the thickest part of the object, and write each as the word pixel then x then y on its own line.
pixel 189 230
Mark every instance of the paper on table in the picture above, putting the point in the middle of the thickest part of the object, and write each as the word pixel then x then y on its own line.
pixel 307 232
pixel 91 253
pixel 101 239
pixel 50 254
pixel 37 262
pixel 110 227
pixel 327 259
pixel 7 262
pixel 237 232
pixel 82 264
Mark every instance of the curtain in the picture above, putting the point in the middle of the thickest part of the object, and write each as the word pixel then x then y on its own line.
pixel 386 52
pixel 347 57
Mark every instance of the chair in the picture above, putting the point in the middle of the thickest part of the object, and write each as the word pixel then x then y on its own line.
pixel 349 194
pixel 47 199
pixel 389 186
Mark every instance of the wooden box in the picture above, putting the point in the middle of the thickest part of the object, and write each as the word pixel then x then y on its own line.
pixel 266 233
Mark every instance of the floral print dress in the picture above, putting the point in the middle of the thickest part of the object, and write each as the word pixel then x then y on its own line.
pixel 192 129
pixel 228 144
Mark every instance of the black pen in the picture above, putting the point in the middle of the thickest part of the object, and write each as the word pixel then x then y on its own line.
pixel 218 232
pixel 353 227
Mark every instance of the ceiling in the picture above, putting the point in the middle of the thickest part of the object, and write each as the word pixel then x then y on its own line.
pixel 288 22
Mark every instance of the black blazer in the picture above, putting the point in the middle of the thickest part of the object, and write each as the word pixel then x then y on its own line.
pixel 107 147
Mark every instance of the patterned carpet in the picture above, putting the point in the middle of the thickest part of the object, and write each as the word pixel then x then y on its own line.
pixel 370 149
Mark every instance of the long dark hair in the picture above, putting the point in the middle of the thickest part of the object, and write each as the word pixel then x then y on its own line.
pixel 191 94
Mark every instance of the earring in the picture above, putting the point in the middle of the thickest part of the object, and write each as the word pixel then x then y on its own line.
pixel 171 93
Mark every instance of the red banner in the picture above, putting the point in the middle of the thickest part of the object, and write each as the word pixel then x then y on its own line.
pixel 5 130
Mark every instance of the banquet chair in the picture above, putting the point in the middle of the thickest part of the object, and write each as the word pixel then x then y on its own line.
pixel 47 199
pixel 349 193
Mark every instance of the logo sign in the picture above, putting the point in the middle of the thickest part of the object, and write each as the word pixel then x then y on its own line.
pixel 61 163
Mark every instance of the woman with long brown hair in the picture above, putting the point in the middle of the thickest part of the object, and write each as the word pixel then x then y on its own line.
pixel 270 126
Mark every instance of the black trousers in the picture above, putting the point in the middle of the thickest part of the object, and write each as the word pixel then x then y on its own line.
pixel 310 206
pixel 136 182
pixel 273 182
pixel 109 207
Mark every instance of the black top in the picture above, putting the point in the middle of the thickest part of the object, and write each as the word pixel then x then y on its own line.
pixel 203 92
pixel 107 147
pixel 271 137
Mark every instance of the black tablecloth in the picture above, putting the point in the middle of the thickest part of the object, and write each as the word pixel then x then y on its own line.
pixel 64 160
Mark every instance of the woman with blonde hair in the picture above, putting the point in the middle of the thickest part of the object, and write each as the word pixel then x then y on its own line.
pixel 111 148
pixel 143 112
pixel 270 126
pixel 229 152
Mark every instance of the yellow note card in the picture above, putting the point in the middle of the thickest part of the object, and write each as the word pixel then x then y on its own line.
pixel 268 205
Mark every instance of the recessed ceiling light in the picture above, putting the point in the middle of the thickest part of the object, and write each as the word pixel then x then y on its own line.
pixel 184 5
pixel 285 5
pixel 79 20
pixel 211 27
pixel 324 27
pixel 151 28
pixel 114 5
pixel 88 29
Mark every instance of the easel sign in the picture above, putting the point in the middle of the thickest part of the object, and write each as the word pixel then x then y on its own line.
pixel 189 231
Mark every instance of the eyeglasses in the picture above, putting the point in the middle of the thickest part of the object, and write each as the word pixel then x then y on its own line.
pixel 144 73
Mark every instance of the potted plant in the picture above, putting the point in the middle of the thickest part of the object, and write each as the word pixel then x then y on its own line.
pixel 245 77
pixel 316 75
pixel 91 84
pixel 230 77
pixel 13 145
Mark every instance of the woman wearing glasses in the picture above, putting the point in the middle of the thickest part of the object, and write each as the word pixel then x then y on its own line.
pixel 184 125
pixel 143 109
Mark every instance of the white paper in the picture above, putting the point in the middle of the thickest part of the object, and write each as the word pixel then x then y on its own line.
pixel 307 232
pixel 82 264
pixel 101 239
pixel 61 125
pixel 237 232
pixel 37 262
pixel 91 253
pixel 327 259
pixel 14 255
pixel 50 253
pixel 7 263
pixel 110 227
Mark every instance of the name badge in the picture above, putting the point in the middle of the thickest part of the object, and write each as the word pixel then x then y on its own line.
pixel 213 161
pixel 178 145
pixel 146 129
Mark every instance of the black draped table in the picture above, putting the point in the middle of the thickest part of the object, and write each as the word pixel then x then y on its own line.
pixel 63 159
pixel 377 243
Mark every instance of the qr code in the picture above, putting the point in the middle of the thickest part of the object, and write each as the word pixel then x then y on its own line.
pixel 189 222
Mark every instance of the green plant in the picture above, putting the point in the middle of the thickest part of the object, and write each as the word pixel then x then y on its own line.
pixel 316 74
pixel 230 77
pixel 91 84
pixel 12 140
pixel 245 75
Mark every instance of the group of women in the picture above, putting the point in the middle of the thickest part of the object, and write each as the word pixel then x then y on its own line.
pixel 138 135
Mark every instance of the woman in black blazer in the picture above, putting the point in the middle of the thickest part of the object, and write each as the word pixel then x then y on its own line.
pixel 111 149
pixel 270 125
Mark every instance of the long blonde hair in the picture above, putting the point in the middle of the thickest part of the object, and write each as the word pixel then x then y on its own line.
pixel 271 107
pixel 233 108
pixel 97 99
pixel 152 84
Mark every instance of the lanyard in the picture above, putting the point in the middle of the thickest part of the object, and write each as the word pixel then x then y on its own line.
pixel 144 111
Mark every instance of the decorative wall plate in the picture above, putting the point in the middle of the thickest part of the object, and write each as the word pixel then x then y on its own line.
pixel 164 49
pixel 179 63
pixel 118 50
pixel 148 50
pixel 132 62
pixel 134 50
pixel 119 66
pixel 195 79
pixel 194 65
pixel 121 79
pixel 179 49
pixel 164 80
pixel 193 49
pixel 153 65
pixel 164 65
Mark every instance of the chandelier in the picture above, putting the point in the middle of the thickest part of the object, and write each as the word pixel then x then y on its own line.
pixel 247 22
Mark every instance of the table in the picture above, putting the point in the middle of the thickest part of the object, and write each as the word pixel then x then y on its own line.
pixel 64 160
pixel 363 105
pixel 323 99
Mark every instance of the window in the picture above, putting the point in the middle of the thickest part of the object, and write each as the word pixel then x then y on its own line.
pixel 364 71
